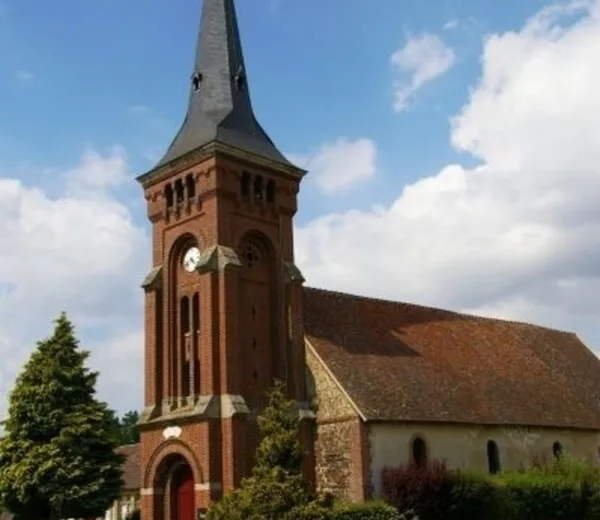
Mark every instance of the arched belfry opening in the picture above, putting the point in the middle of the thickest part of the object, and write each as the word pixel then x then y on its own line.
pixel 258 316
pixel 183 322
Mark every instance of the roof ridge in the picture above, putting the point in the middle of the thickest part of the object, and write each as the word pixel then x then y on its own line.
pixel 459 314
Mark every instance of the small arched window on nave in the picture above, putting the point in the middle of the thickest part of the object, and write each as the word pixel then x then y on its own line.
pixel 557 450
pixel 418 452
pixel 493 457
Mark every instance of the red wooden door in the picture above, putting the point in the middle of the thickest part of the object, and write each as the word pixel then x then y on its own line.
pixel 183 494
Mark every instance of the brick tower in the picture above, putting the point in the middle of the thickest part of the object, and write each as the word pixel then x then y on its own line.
pixel 223 312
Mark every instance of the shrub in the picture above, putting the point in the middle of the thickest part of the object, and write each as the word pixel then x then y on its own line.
pixel 593 509
pixel 574 470
pixel 310 511
pixel 426 490
pixel 435 493
pixel 538 495
pixel 366 511
pixel 476 497
pixel 567 489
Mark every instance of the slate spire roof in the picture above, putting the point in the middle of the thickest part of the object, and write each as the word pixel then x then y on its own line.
pixel 220 108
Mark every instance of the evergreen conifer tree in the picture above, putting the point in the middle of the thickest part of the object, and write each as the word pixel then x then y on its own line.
pixel 57 459
pixel 277 489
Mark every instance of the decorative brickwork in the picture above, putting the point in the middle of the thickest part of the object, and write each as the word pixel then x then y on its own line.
pixel 218 335
pixel 223 315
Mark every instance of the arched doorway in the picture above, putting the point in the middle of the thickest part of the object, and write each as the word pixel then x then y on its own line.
pixel 173 480
pixel 182 493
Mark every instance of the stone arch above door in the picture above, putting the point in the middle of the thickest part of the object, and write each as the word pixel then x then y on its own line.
pixel 164 457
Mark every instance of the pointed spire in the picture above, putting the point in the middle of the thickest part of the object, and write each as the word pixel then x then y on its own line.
pixel 219 106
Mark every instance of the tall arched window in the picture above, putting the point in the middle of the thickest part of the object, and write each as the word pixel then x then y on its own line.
pixel 179 341
pixel 493 457
pixel 196 343
pixel 185 345
pixel 419 452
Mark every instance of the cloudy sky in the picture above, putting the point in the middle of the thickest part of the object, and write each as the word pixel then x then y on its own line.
pixel 453 149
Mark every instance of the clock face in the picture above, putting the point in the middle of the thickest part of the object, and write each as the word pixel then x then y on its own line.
pixel 191 259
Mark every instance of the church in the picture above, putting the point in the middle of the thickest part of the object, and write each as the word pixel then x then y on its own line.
pixel 227 311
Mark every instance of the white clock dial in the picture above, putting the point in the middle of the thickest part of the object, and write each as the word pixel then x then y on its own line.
pixel 191 259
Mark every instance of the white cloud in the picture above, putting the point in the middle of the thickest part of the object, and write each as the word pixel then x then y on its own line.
pixel 80 252
pixel 516 236
pixel 25 75
pixel 341 165
pixel 450 24
pixel 422 59
pixel 97 172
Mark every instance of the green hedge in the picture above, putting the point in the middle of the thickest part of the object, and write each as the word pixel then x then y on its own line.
pixel 345 511
pixel 568 490
pixel 366 511
pixel 541 496
pixel 476 497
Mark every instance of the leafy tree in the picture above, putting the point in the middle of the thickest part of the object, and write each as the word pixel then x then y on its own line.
pixel 129 429
pixel 276 490
pixel 57 459
pixel 114 427
pixel 124 431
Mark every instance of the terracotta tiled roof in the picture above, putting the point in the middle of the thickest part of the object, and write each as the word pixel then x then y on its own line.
pixel 131 466
pixel 402 362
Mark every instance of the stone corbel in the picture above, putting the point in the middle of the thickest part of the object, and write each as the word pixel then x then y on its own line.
pixel 291 273
pixel 223 406
pixel 153 279
pixel 148 414
pixel 217 258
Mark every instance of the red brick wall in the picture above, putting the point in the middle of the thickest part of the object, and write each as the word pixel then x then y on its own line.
pixel 218 216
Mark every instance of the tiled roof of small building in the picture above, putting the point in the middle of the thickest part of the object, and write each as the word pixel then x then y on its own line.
pixel 403 362
pixel 131 466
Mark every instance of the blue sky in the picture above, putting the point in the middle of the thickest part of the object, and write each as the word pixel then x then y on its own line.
pixel 317 70
pixel 478 193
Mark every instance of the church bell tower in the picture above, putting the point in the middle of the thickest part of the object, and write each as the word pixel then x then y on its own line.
pixel 223 314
